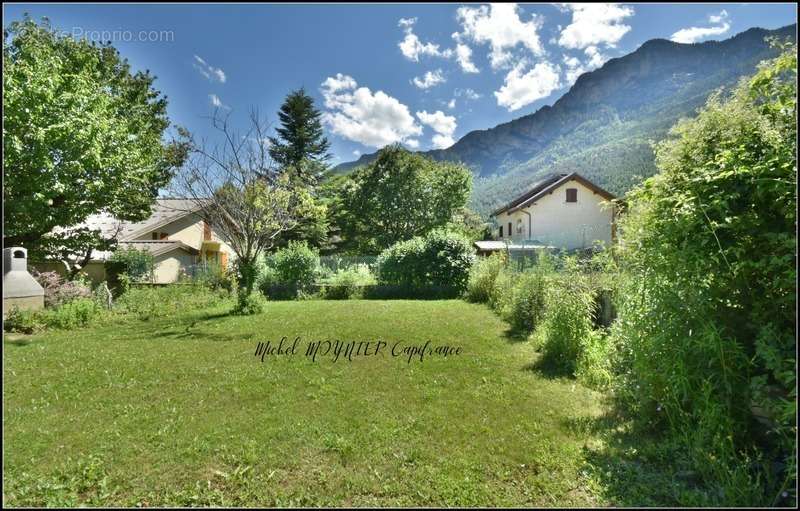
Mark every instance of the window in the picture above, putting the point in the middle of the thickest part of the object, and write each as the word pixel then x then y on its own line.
pixel 501 231
pixel 572 195
pixel 509 229
pixel 155 235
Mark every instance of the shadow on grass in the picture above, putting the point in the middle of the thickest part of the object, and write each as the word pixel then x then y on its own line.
pixel 631 467
pixel 546 369
pixel 515 336
pixel 17 341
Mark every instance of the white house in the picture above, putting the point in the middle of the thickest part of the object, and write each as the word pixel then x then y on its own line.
pixel 565 211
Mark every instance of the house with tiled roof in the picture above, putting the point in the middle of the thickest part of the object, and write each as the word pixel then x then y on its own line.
pixel 176 236
pixel 564 211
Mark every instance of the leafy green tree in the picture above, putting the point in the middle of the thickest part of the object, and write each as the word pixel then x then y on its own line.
pixel 398 196
pixel 301 147
pixel 707 327
pixel 82 134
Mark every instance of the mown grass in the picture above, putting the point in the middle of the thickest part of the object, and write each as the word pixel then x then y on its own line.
pixel 178 411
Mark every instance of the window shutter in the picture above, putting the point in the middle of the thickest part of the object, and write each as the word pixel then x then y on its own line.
pixel 572 195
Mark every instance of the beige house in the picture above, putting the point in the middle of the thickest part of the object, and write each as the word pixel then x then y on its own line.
pixel 565 211
pixel 174 234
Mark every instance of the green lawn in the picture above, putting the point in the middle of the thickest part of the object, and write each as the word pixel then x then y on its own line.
pixel 179 411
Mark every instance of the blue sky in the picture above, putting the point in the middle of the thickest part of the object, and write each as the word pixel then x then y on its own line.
pixel 420 74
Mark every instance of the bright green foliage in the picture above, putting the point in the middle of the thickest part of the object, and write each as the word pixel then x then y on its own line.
pixel 150 302
pixel 482 276
pixel 296 265
pixel 470 225
pixel 399 196
pixel 301 143
pixel 76 313
pixel 439 259
pixel 707 326
pixel 137 265
pixel 349 282
pixel 253 303
pixel 567 325
pixel 527 302
pixel 595 368
pixel 82 134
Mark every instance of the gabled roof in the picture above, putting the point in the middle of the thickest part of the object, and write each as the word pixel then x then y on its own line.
pixel 165 211
pixel 158 247
pixel 547 185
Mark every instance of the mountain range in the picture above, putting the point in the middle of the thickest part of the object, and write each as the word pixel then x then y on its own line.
pixel 604 127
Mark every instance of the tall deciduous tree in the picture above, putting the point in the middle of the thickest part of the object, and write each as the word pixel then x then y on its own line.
pixel 82 134
pixel 301 147
pixel 398 196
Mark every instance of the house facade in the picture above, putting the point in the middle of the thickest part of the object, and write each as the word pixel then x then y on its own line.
pixel 177 237
pixel 565 211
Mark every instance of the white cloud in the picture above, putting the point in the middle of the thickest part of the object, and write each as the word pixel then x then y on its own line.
pixel 595 24
pixel 358 114
pixel 210 72
pixel 500 26
pixel 216 102
pixel 718 18
pixel 412 143
pixel 467 93
pixel 356 153
pixel 444 126
pixel 451 104
pixel 575 68
pixel 522 89
pixel 442 141
pixel 429 79
pixel 464 58
pixel 694 34
pixel 411 46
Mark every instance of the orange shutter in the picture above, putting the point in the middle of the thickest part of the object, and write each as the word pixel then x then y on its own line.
pixel 223 260
pixel 206 231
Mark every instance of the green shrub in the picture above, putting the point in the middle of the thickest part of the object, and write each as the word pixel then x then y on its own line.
pixel 348 283
pixel 23 321
pixel 213 276
pixel 75 314
pixel 567 324
pixel 439 259
pixel 706 330
pixel 502 291
pixel 137 265
pixel 146 302
pixel 296 265
pixel 594 368
pixel 482 276
pixel 254 303
pixel 526 306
